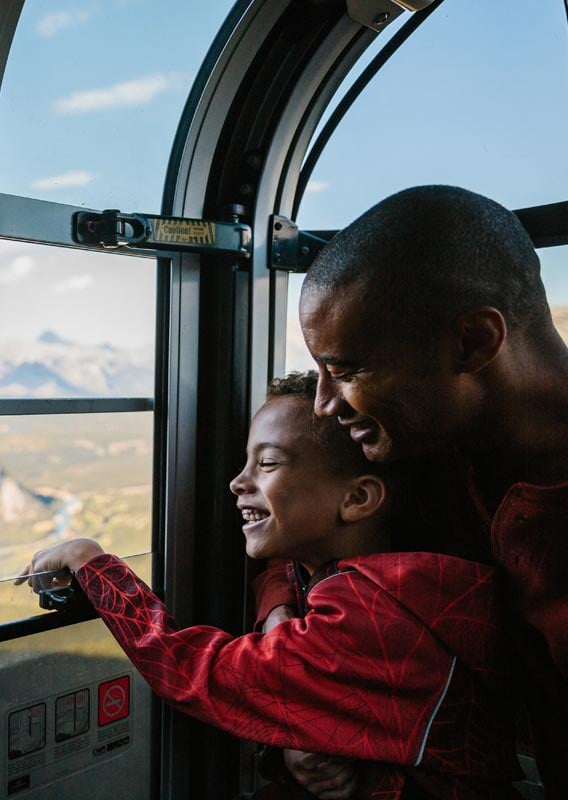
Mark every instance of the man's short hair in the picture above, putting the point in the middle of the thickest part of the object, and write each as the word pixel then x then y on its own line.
pixel 433 252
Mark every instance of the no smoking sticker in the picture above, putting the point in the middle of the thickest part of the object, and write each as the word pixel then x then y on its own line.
pixel 114 700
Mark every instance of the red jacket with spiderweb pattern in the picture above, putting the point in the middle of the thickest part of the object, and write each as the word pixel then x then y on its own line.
pixel 398 661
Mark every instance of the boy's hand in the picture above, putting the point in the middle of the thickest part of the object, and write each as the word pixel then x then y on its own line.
pixel 67 555
pixel 326 777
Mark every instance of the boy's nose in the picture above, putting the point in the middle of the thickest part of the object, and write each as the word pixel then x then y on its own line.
pixel 240 483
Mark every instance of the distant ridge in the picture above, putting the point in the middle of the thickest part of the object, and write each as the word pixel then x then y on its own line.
pixel 17 501
pixel 50 337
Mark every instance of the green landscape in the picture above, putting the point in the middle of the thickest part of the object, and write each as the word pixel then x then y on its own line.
pixel 74 475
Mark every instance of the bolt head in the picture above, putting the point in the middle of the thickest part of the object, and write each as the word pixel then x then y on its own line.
pixel 381 18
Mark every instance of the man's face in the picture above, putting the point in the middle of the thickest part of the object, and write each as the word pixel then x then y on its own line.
pixel 399 400
pixel 288 497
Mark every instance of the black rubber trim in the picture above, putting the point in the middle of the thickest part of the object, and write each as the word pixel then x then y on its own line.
pixel 352 94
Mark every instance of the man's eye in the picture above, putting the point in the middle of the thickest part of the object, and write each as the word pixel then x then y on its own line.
pixel 266 463
pixel 345 377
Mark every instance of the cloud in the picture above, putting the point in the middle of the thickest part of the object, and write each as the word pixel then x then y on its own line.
pixel 20 267
pixel 78 177
pixel 56 21
pixel 313 187
pixel 128 93
pixel 73 284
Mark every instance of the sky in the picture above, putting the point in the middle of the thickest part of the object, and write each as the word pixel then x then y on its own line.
pixel 93 92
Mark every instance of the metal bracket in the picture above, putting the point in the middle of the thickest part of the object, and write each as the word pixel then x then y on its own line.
pixel 64 598
pixel 377 14
pixel 292 250
pixel 111 229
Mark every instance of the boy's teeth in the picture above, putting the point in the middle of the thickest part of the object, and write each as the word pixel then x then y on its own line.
pixel 251 515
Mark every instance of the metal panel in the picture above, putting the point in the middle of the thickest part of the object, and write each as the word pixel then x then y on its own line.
pixel 54 732
pixel 8 20
pixel 43 674
pixel 40 221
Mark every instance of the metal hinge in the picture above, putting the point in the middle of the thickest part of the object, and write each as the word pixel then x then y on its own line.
pixel 292 250
pixel 377 14
pixel 112 229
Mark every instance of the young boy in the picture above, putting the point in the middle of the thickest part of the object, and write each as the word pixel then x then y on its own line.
pixel 398 660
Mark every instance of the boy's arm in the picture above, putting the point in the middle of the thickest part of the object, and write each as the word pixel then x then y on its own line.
pixel 315 687
pixel 359 677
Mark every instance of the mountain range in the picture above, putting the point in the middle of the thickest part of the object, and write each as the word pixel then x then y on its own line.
pixel 52 366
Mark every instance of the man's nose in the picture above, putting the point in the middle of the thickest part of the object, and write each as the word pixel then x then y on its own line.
pixel 329 400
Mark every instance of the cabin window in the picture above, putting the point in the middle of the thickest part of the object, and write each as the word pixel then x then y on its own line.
pixel 78 333
pixel 449 108
pixel 92 96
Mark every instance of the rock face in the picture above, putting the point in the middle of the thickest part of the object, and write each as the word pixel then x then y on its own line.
pixel 17 502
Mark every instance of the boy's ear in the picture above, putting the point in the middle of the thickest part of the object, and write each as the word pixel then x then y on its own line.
pixel 365 496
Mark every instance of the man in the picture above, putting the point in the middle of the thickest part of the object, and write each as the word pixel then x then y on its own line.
pixel 429 323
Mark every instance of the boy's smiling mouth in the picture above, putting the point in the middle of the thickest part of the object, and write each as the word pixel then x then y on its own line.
pixel 251 515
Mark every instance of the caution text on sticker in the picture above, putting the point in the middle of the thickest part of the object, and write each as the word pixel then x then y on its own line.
pixel 189 231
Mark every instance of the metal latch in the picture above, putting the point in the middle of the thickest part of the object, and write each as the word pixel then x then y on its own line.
pixel 292 250
pixel 64 598
pixel 112 229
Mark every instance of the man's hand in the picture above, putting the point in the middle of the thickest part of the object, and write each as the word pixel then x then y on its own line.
pixel 326 777
pixel 277 615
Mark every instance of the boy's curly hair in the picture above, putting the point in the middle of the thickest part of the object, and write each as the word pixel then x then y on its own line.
pixel 345 457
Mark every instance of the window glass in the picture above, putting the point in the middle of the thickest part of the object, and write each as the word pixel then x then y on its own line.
pixel 473 98
pixel 69 475
pixel 554 264
pixel 75 323
pixel 297 355
pixel 92 96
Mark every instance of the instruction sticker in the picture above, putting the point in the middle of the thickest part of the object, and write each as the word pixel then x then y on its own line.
pixel 26 731
pixel 56 736
pixel 188 231
pixel 71 715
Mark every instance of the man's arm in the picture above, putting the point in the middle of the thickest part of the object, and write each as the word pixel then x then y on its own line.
pixel 325 777
pixel 274 598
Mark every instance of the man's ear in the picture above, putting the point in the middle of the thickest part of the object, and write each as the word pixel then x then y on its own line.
pixel 480 335
pixel 365 496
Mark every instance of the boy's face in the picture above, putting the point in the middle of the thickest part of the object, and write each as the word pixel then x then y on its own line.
pixel 288 497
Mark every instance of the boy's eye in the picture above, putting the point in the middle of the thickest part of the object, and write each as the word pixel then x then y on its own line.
pixel 267 463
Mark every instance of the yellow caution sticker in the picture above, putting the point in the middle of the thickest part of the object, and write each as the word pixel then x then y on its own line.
pixel 183 231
